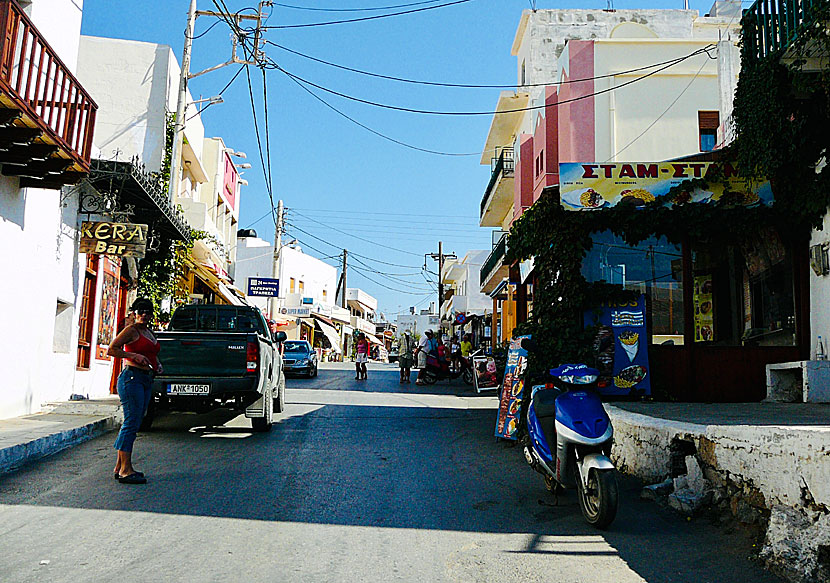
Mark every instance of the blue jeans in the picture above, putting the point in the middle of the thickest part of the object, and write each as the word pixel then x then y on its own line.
pixel 134 389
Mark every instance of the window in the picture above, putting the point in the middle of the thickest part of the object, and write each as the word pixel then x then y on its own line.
pixel 87 315
pixel 325 295
pixel 292 284
pixel 654 268
pixel 302 287
pixel 524 73
pixel 708 123
pixel 62 339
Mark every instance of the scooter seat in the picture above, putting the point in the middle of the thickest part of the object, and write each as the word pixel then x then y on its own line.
pixel 544 403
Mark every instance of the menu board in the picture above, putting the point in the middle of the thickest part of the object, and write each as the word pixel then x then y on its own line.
pixel 484 369
pixel 512 388
pixel 704 308
pixel 621 348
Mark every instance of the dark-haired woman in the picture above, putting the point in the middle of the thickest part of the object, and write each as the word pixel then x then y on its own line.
pixel 139 347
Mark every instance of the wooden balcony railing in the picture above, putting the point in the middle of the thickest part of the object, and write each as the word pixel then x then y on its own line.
pixel 46 117
pixel 771 26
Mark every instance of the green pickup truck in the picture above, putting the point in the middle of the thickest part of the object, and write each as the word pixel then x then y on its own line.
pixel 220 356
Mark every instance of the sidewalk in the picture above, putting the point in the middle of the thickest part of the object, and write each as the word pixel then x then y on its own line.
pixel 768 464
pixel 58 427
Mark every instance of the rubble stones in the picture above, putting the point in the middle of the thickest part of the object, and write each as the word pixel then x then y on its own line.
pixel 796 544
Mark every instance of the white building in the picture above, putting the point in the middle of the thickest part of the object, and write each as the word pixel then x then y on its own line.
pixel 462 285
pixel 427 319
pixel 38 221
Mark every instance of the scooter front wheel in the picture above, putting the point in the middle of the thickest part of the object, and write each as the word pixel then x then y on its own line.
pixel 430 378
pixel 598 499
pixel 468 377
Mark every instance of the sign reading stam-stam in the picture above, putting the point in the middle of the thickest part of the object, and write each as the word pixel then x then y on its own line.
pixel 122 239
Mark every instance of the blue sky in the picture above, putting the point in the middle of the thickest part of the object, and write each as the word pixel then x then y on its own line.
pixel 382 201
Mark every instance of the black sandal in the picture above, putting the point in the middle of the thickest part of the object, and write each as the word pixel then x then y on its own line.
pixel 116 476
pixel 134 478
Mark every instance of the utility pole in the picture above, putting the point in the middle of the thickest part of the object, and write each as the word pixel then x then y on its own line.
pixel 181 104
pixel 341 284
pixel 238 36
pixel 440 257
pixel 275 268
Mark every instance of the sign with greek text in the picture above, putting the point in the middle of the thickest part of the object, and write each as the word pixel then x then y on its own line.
pixel 120 239
pixel 263 287
pixel 512 390
pixel 595 186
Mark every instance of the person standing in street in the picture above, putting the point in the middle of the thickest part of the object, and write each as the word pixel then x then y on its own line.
pixel 139 347
pixel 362 357
pixel 466 346
pixel 406 356
pixel 425 346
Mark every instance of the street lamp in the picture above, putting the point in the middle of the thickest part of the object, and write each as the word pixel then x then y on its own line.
pixel 244 166
pixel 230 152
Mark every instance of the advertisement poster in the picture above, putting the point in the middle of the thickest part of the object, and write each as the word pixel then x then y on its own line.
pixel 704 309
pixel 109 308
pixel 512 388
pixel 592 186
pixel 621 348
pixel 484 368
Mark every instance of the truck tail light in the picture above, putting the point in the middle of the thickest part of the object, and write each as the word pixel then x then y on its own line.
pixel 252 357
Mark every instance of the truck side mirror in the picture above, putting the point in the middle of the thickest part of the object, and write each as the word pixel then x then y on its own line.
pixel 280 336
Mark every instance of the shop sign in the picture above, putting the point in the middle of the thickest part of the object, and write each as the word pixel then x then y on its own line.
pixel 484 368
pixel 621 348
pixel 308 301
pixel 122 239
pixel 263 287
pixel 299 312
pixel 704 309
pixel 594 186
pixel 512 389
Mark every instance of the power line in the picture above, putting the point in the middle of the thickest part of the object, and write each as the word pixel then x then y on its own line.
pixel 365 18
pixel 419 292
pixel 265 171
pixel 355 9
pixel 225 88
pixel 468 85
pixel 374 213
pixel 474 113
pixel 360 238
pixel 201 34
pixel 377 133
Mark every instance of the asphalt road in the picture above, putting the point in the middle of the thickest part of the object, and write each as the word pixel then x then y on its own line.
pixel 358 481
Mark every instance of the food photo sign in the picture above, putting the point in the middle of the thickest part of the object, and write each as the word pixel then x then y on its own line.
pixel 621 348
pixel 485 373
pixel 512 389
pixel 595 186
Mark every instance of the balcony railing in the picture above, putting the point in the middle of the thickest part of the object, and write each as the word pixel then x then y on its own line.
pixel 771 26
pixel 493 260
pixel 46 117
pixel 502 165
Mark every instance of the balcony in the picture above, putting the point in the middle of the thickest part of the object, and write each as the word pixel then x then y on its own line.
pixel 498 197
pixel 773 26
pixel 494 270
pixel 46 117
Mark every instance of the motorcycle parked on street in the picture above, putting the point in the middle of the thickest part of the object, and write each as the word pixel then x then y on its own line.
pixel 436 370
pixel 567 438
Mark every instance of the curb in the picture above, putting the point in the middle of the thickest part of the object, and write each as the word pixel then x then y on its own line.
pixel 11 458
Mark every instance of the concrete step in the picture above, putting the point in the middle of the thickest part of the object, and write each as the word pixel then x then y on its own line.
pixel 100 407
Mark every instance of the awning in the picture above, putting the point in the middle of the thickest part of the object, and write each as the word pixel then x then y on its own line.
pixel 229 295
pixel 373 338
pixel 331 334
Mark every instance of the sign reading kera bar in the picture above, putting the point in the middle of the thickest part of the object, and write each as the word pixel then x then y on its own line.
pixel 123 239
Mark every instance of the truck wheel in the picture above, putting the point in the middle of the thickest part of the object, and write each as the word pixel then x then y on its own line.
pixel 263 424
pixel 279 398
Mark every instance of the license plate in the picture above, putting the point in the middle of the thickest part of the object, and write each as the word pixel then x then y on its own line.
pixel 176 389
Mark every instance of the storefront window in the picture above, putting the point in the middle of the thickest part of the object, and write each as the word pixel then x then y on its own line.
pixel 653 268
pixel 743 295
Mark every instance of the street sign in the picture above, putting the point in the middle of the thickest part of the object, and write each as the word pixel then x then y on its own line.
pixel 122 239
pixel 263 286
pixel 460 319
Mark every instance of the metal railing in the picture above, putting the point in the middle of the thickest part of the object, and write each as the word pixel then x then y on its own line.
pixel 501 165
pixel 39 83
pixel 493 260
pixel 771 26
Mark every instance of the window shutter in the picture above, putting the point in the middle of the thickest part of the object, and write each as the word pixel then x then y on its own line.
pixel 708 120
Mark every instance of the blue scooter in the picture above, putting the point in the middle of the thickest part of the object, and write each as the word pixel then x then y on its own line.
pixel 570 416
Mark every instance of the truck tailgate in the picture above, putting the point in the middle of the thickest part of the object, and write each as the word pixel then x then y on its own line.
pixel 204 354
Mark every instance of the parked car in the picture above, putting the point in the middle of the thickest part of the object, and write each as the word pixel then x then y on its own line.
pixel 299 358
pixel 394 354
pixel 220 356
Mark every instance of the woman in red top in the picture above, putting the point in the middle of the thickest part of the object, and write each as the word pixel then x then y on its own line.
pixel 362 357
pixel 139 347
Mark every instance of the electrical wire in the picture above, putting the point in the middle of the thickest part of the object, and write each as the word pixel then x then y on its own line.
pixel 377 133
pixel 259 147
pixel 225 88
pixel 419 292
pixel 476 113
pixel 201 34
pixel 366 18
pixel 340 211
pixel 360 238
pixel 469 85
pixel 354 9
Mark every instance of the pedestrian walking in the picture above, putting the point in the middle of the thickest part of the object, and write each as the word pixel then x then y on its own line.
pixel 362 357
pixel 406 356
pixel 139 347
